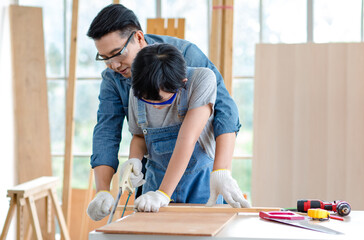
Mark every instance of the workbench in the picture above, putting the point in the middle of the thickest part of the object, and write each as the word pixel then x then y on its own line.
pixel 250 226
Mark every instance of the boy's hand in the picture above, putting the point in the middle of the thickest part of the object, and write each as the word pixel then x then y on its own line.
pixel 151 201
pixel 221 182
pixel 136 176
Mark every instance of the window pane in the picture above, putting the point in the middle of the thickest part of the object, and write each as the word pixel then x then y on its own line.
pixel 53 34
pixel 86 105
pixel 246 35
pixel 243 95
pixel 284 21
pixel 147 11
pixel 337 21
pixel 195 13
pixel 56 111
pixel 86 50
pixel 242 173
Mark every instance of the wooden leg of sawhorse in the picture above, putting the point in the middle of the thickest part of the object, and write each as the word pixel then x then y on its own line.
pixel 34 217
pixel 8 218
pixel 20 204
pixel 59 214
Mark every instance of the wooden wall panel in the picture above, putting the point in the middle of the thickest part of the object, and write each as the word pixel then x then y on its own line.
pixel 308 123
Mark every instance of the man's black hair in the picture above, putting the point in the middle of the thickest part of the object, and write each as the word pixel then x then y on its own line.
pixel 114 17
pixel 158 67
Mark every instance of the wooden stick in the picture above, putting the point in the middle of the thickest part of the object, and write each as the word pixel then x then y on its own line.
pixel 10 215
pixel 68 158
pixel 85 219
pixel 205 209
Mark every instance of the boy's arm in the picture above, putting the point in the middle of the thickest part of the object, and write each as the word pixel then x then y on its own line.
pixel 192 126
pixel 191 129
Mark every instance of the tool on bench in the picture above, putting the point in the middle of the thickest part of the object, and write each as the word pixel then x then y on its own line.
pixel 321 214
pixel 291 218
pixel 341 207
pixel 125 184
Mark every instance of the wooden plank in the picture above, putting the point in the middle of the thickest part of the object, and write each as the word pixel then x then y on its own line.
pixel 226 64
pixel 216 33
pixel 33 187
pixel 70 103
pixel 155 26
pixel 180 31
pixel 60 217
pixel 32 141
pixel 170 223
pixel 202 209
pixel 34 217
pixel 308 123
pixel 32 138
pixel 9 217
pixel 170 30
pixel 88 198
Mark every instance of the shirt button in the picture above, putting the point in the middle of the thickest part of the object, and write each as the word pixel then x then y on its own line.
pixel 145 131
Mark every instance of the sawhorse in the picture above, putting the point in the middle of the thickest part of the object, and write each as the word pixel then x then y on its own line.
pixel 25 195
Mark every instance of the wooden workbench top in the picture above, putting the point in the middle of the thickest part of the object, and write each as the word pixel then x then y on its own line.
pixel 250 226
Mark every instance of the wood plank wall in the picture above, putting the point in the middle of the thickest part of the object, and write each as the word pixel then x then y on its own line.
pixel 308 124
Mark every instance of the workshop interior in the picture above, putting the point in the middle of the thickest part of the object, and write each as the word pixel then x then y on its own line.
pixel 270 143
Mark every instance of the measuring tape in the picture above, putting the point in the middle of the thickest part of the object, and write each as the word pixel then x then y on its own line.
pixel 321 214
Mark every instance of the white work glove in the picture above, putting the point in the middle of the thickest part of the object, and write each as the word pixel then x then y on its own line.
pixel 100 206
pixel 151 201
pixel 221 182
pixel 136 176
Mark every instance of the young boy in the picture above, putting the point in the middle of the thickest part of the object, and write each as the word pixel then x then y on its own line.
pixel 170 116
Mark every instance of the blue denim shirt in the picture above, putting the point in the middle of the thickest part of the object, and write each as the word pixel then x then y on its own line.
pixel 114 100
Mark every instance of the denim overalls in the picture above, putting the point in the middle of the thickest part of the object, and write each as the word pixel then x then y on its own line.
pixel 194 186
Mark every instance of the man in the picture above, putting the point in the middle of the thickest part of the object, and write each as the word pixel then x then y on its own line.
pixel 118 38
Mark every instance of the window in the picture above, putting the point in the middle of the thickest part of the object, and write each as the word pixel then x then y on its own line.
pixel 255 21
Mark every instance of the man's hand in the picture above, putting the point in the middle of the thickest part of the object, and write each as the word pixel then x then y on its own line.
pixel 100 206
pixel 221 182
pixel 151 201
pixel 136 176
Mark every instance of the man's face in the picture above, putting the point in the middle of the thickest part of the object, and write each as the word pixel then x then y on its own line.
pixel 113 44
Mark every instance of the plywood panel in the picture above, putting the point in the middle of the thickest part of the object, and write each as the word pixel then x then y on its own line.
pixel 308 123
pixel 32 145
pixel 170 223
pixel 32 139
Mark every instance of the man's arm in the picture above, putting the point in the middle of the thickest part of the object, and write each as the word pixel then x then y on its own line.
pixel 226 116
pixel 225 144
pixel 107 132
pixel 103 176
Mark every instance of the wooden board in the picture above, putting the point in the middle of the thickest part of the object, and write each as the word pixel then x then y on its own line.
pixel 170 223
pixel 308 123
pixel 200 208
pixel 32 143
pixel 31 125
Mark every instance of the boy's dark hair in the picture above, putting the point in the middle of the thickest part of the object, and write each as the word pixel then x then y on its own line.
pixel 157 67
pixel 114 17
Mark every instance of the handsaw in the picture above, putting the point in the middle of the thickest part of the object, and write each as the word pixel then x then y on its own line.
pixel 296 220
pixel 125 185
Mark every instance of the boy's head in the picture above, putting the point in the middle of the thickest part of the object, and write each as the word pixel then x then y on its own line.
pixel 156 68
pixel 114 17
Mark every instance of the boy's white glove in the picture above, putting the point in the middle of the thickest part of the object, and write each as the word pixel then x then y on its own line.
pixel 151 201
pixel 221 182
pixel 136 176
pixel 100 206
